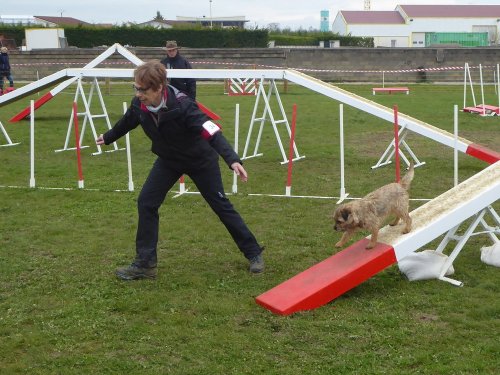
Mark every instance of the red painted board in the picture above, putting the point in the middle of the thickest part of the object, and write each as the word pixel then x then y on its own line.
pixel 483 153
pixel 328 279
pixel 473 109
pixel 214 116
pixel 38 103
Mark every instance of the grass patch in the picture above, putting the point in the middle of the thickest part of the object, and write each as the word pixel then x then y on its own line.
pixel 63 311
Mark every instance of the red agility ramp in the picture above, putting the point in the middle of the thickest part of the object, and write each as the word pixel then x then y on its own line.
pixel 328 279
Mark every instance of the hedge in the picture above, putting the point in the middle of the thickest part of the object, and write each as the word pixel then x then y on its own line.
pixel 193 37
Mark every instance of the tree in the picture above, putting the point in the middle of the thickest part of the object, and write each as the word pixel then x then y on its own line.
pixel 158 17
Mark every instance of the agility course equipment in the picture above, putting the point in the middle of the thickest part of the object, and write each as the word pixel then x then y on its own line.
pixel 7 138
pixel 390 90
pixel 267 111
pixel 348 268
pixel 32 145
pixel 56 77
pixel 77 147
pixel 241 86
pixel 342 195
pixel 343 96
pixel 336 93
pixel 288 187
pixel 481 109
pixel 87 116
pixel 394 148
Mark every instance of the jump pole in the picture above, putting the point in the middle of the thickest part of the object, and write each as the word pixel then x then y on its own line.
pixel 396 143
pixel 78 153
pixel 129 157
pixel 288 188
pixel 32 144
pixel 236 135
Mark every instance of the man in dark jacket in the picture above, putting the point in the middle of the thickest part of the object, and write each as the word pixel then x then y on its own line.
pixel 186 142
pixel 5 68
pixel 174 60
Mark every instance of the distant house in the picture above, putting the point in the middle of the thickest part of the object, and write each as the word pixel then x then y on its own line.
pixel 160 24
pixel 238 22
pixel 61 21
pixel 423 25
pixel 44 21
pixel 235 21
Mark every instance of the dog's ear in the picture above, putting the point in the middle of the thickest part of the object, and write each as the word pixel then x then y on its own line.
pixel 345 213
pixel 350 216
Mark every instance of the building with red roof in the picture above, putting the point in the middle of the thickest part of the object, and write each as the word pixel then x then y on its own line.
pixel 422 25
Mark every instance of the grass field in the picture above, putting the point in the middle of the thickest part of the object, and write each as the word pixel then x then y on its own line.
pixel 62 311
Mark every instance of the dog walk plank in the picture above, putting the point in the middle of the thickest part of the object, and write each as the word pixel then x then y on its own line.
pixel 328 279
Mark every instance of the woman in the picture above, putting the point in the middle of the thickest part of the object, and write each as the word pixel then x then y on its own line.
pixel 186 142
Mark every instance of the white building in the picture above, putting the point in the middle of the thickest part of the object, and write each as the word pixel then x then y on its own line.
pixel 419 25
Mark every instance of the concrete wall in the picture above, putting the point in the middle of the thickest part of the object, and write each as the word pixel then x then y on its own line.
pixel 329 64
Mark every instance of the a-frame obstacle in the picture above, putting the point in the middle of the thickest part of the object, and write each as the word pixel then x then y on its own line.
pixel 115 48
pixel 348 268
pixel 86 102
pixel 267 112
pixel 88 117
pixel 390 151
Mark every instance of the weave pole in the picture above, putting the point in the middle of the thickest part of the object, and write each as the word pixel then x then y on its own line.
pixel 455 143
pixel 396 143
pixel 32 144
pixel 236 135
pixel 343 194
pixel 288 188
pixel 129 156
pixel 182 185
pixel 78 153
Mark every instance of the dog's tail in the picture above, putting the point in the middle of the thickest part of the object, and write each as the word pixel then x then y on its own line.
pixel 408 177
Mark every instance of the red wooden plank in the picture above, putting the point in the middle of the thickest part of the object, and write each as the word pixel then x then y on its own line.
pixel 473 109
pixel 390 90
pixel 38 103
pixel 328 279
pixel 483 153
pixel 214 116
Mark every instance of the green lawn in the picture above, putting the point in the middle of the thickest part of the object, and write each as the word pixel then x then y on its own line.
pixel 62 311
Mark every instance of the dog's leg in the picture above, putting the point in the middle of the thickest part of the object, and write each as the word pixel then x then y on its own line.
pixel 373 239
pixel 345 237
pixel 394 222
pixel 407 221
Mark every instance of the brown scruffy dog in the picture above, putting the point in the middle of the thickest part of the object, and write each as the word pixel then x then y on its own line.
pixel 370 212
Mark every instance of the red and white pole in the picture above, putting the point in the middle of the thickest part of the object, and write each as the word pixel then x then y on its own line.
pixel 288 188
pixel 78 153
pixel 396 143
pixel 182 185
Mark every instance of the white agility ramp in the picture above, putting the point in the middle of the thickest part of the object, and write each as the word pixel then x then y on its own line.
pixel 445 212
pixel 350 267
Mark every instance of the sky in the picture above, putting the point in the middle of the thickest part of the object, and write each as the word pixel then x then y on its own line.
pixel 260 13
